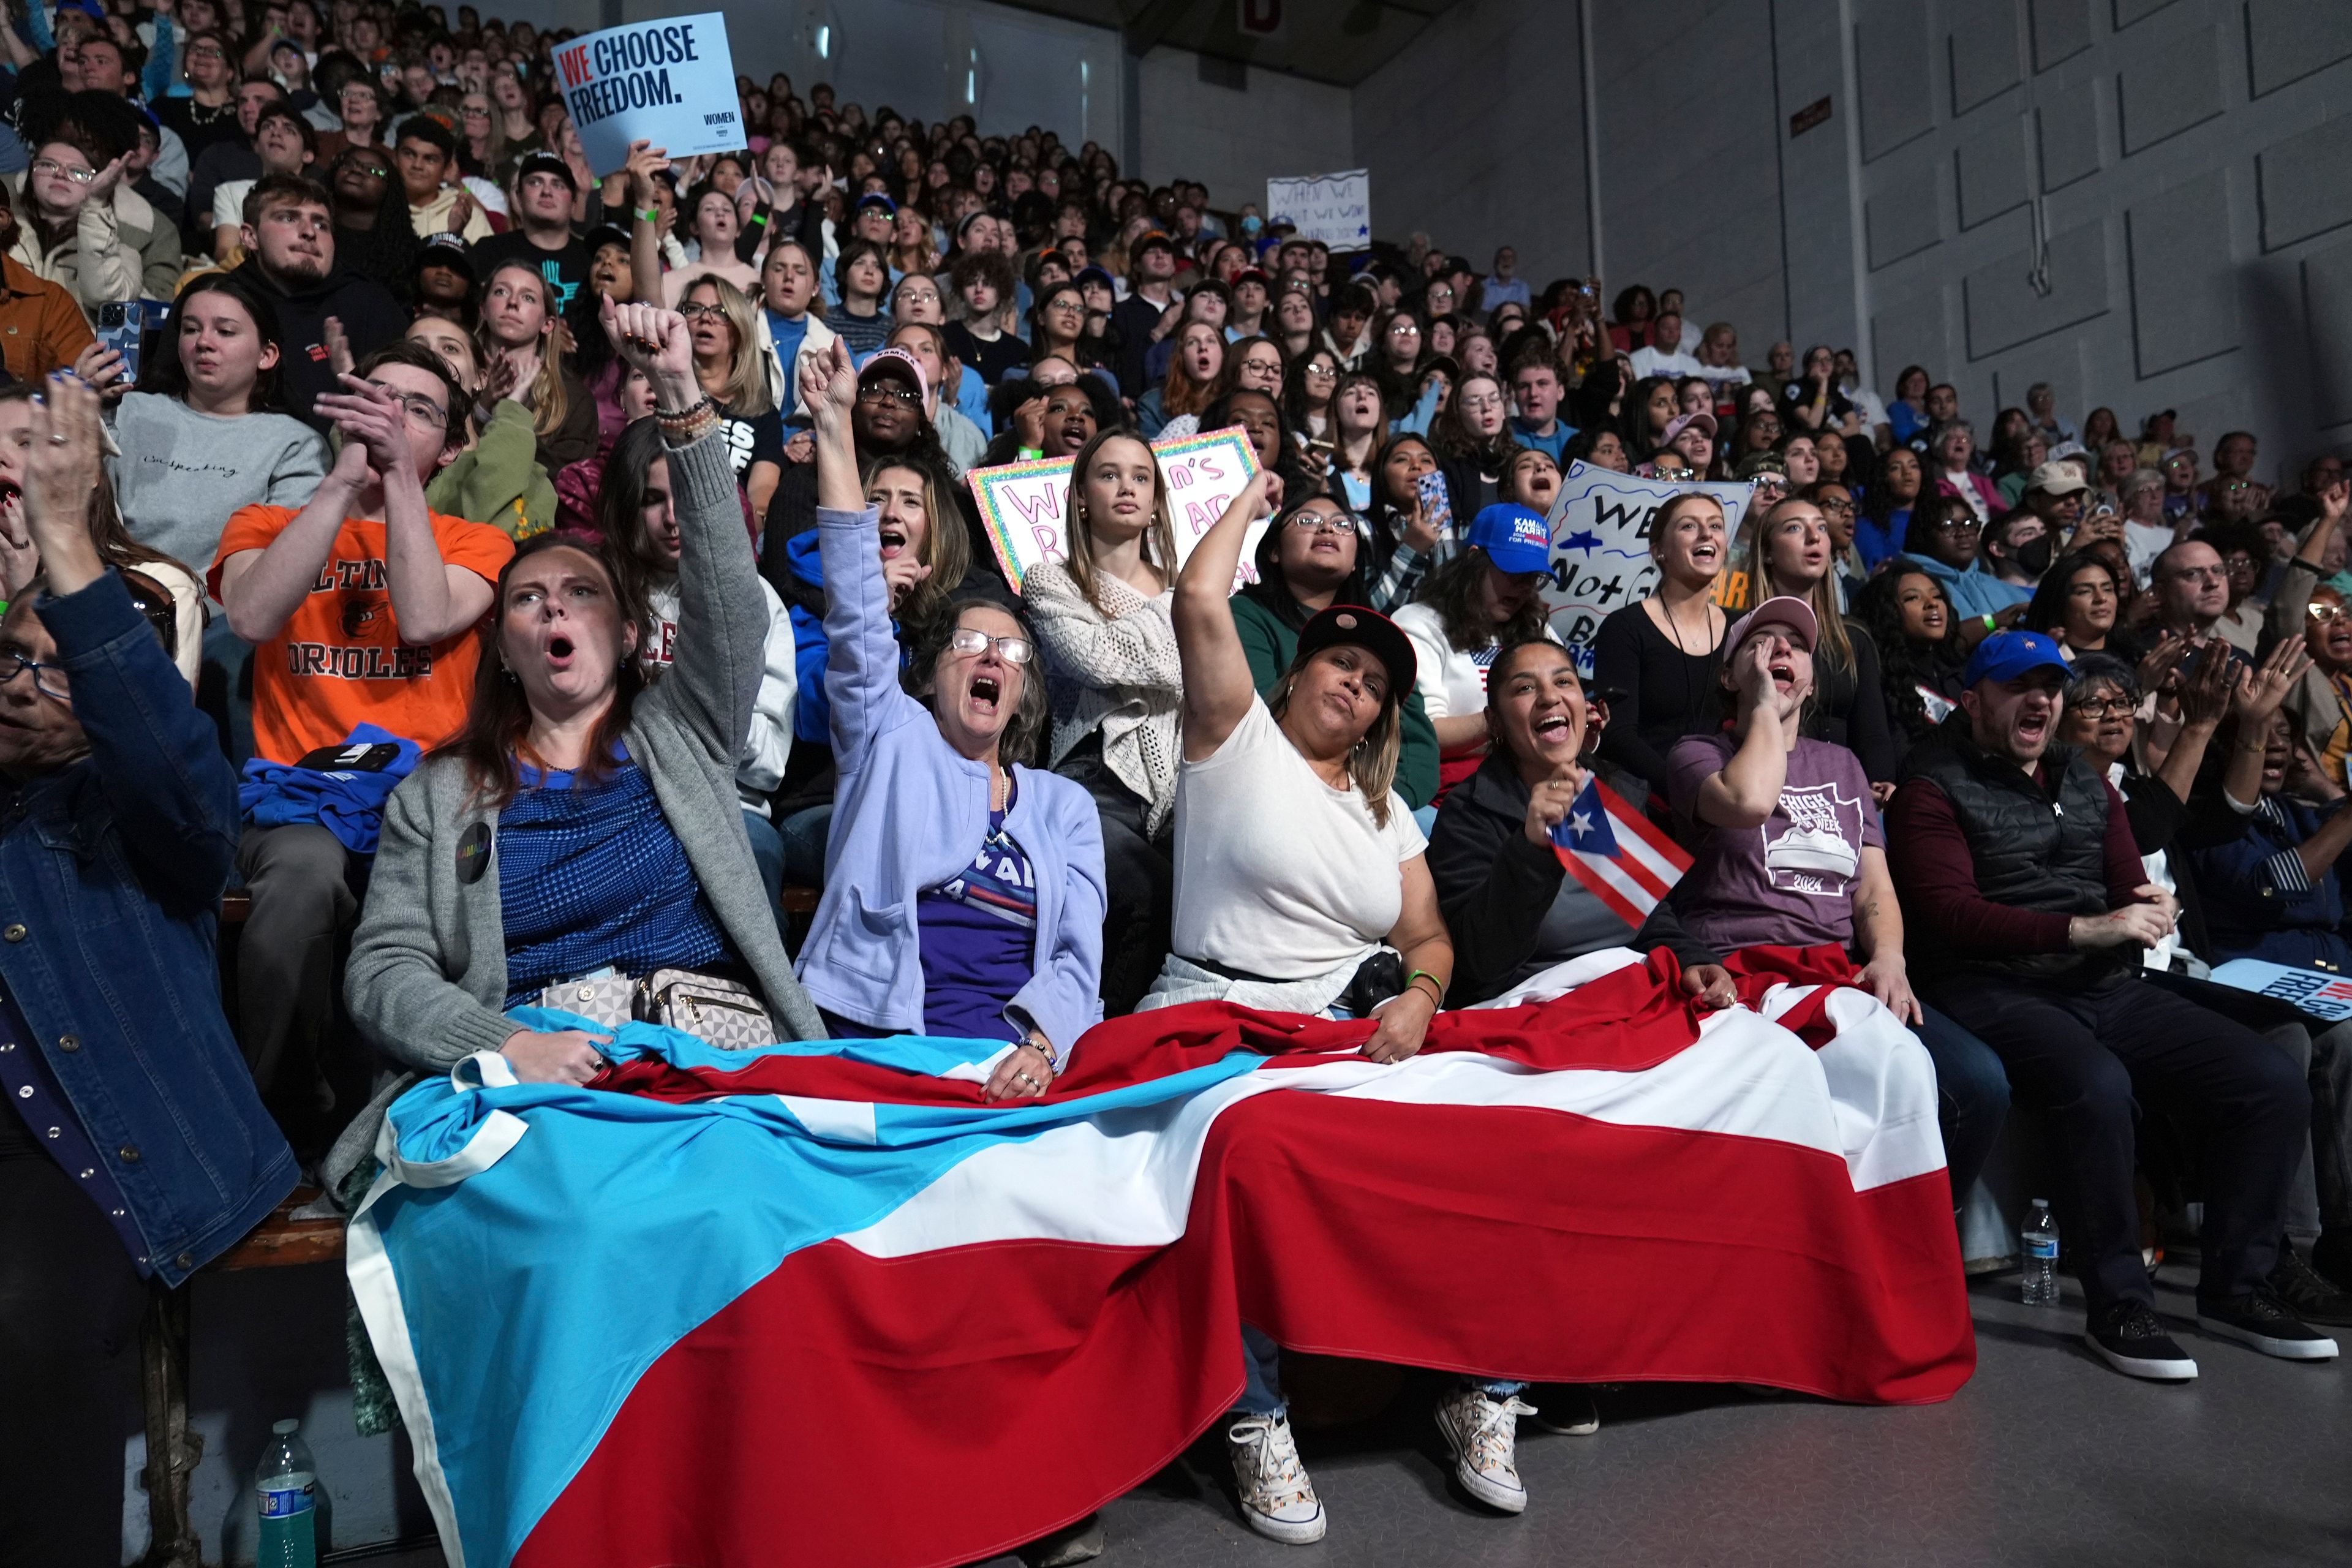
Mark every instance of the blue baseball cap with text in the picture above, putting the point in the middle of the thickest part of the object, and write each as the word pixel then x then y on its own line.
pixel 1517 538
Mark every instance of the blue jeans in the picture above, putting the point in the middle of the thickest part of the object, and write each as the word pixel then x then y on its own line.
pixel 1971 1098
pixel 804 833
pixel 1262 1377
pixel 768 853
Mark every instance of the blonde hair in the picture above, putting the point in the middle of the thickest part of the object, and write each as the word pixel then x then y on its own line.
pixel 1372 765
pixel 1821 598
pixel 745 391
pixel 1159 539
pixel 550 405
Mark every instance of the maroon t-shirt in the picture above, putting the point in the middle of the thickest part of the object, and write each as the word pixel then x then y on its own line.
pixel 1789 882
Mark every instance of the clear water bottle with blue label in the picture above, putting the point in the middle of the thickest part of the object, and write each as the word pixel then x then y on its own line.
pixel 286 1493
pixel 2038 1245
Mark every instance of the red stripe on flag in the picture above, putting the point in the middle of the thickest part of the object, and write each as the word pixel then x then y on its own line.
pixel 1602 887
pixel 1623 817
pixel 849 1409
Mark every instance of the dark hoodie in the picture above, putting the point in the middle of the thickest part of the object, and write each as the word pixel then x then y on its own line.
pixel 372 318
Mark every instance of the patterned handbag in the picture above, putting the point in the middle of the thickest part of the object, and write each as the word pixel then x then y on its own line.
pixel 718 1013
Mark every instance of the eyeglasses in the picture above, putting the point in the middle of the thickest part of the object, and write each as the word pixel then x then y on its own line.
pixel 1323 372
pixel 1832 504
pixel 2106 708
pixel 2329 614
pixel 423 409
pixel 51 167
pixel 970 642
pixel 889 391
pixel 13 664
pixel 1958 525
pixel 1404 329
pixel 694 313
pixel 1324 523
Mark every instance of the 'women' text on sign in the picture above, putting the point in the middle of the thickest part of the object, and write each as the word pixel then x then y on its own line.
pixel 670 82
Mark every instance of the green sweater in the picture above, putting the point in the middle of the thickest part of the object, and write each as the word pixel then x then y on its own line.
pixel 497 480
pixel 1270 645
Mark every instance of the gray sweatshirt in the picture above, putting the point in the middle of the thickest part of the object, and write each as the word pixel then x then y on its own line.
pixel 180 473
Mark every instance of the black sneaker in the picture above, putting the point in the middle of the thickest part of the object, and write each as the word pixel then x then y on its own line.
pixel 2127 1337
pixel 2259 1319
pixel 1566 1407
pixel 2304 1291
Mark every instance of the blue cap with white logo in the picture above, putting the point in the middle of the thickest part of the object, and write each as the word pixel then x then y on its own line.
pixel 1517 538
pixel 2005 656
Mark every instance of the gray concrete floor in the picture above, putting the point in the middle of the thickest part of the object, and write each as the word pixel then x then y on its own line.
pixel 2044 1457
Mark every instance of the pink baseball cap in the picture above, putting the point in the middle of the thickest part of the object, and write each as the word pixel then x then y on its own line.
pixel 899 361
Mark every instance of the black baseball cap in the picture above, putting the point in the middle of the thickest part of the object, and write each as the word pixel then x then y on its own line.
pixel 546 164
pixel 448 250
pixel 1366 629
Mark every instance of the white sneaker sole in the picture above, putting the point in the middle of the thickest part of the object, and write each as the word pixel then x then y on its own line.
pixel 1289 1531
pixel 2285 1350
pixel 1494 1494
pixel 2180 1371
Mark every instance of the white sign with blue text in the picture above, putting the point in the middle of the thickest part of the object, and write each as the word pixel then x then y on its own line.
pixel 1600 559
pixel 1334 208
pixel 670 82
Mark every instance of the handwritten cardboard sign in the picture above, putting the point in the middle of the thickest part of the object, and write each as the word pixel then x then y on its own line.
pixel 670 82
pixel 1334 208
pixel 1600 559
pixel 1025 507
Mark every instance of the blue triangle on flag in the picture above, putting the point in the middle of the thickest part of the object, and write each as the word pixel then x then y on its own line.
pixel 1586 825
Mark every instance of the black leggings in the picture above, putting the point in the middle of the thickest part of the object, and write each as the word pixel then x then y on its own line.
pixel 1139 879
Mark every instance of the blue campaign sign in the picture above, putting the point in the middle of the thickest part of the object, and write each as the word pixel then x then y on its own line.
pixel 670 82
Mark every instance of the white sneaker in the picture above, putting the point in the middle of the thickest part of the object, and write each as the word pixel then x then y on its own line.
pixel 1278 1499
pixel 1484 1433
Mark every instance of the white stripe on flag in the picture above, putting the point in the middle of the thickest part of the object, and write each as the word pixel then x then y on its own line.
pixel 1627 898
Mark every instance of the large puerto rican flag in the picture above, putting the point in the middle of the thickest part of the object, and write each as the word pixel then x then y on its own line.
pixel 820 1303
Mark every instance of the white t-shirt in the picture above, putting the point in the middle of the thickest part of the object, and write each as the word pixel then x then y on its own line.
pixel 1453 684
pixel 1285 878
pixel 1648 361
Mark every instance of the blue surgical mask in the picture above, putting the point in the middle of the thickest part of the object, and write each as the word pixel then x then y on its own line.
pixel 1252 223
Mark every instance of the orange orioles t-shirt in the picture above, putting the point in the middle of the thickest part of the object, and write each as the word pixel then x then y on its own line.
pixel 339 662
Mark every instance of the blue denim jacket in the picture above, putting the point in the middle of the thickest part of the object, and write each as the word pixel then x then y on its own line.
pixel 110 871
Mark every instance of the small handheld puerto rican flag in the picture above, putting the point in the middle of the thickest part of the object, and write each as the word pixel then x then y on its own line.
pixel 1610 847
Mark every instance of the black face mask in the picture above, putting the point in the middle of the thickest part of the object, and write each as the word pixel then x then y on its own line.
pixel 2034 555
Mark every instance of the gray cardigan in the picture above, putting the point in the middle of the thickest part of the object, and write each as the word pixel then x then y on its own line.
pixel 428 981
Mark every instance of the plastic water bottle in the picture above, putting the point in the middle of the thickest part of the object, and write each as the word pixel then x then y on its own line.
pixel 285 1496
pixel 2038 1245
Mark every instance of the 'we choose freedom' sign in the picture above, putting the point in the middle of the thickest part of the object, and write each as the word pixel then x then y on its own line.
pixel 670 82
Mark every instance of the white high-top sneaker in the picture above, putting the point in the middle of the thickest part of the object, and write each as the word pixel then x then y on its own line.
pixel 1278 1499
pixel 1484 1433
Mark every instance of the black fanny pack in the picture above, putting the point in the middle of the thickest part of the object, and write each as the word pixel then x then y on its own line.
pixel 1380 977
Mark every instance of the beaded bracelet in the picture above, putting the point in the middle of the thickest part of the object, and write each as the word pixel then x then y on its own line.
pixel 687 426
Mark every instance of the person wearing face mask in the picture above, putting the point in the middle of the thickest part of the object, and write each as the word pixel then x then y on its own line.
pixel 575 811
pixel 133 1149
pixel 2017 549
pixel 987 924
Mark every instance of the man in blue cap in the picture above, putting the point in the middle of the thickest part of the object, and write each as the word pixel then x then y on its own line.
pixel 2029 910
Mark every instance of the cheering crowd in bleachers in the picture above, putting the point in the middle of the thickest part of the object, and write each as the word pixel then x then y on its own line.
pixel 533 583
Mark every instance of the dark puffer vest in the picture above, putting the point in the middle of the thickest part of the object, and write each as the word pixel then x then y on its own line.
pixel 2032 851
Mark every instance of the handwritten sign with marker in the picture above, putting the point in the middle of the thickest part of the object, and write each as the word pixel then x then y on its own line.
pixel 1600 559
pixel 1025 506
pixel 670 82
pixel 1334 208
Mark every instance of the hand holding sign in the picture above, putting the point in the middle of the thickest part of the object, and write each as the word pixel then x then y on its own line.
pixel 670 82
pixel 1025 507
